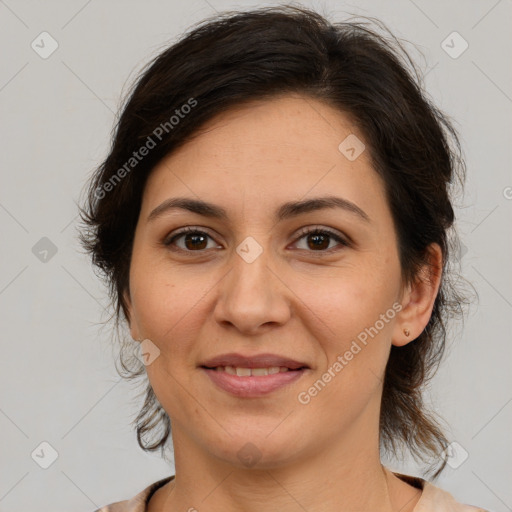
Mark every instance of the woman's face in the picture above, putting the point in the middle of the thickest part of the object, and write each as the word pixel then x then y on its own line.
pixel 254 282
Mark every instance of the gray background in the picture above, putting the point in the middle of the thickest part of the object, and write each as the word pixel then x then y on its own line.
pixel 58 380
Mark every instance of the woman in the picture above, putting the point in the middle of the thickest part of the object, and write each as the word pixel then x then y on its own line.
pixel 273 219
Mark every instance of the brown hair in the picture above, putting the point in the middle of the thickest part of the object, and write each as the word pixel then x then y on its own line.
pixel 236 57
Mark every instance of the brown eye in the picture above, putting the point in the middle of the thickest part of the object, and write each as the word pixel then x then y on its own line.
pixel 194 240
pixel 318 240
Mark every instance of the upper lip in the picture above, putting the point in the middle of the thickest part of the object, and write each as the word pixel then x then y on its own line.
pixel 256 361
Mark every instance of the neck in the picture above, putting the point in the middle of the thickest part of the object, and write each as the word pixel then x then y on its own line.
pixel 347 477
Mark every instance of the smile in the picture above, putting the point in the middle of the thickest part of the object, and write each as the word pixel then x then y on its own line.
pixel 248 372
pixel 252 382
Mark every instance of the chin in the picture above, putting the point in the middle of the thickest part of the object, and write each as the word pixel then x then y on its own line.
pixel 262 450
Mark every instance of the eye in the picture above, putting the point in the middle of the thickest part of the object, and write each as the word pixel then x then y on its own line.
pixel 196 240
pixel 316 238
pixel 193 239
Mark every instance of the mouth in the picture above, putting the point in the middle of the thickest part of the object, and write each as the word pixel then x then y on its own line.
pixel 252 372
pixel 254 362
pixel 252 376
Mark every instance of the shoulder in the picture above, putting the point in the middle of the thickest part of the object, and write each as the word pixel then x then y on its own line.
pixel 434 499
pixel 139 502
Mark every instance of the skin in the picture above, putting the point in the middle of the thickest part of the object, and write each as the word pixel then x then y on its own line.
pixel 294 300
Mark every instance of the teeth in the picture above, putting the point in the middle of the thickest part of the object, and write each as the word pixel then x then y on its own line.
pixel 257 371
pixel 247 372
pixel 229 369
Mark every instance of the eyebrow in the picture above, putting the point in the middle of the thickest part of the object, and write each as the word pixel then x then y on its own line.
pixel 285 211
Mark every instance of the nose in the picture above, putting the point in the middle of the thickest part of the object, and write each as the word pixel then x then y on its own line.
pixel 252 296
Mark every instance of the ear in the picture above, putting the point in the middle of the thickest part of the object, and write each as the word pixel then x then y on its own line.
pixel 134 330
pixel 418 299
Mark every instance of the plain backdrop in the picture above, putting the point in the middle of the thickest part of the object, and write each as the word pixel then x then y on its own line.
pixel 58 383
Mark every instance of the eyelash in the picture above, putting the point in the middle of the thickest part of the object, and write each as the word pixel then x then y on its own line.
pixel 168 242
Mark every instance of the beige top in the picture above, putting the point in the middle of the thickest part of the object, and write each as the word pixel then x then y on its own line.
pixel 433 499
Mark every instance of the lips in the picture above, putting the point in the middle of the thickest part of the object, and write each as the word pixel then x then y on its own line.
pixel 252 376
pixel 256 361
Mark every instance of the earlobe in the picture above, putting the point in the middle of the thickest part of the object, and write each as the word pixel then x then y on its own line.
pixel 419 300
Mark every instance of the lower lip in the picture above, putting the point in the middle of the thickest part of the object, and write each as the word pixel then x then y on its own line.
pixel 253 386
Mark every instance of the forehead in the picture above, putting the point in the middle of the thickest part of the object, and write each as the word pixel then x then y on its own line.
pixel 267 152
pixel 291 125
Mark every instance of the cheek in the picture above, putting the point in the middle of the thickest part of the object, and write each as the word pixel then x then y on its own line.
pixel 345 303
pixel 155 307
pixel 163 297
pixel 351 318
pixel 170 312
pixel 354 337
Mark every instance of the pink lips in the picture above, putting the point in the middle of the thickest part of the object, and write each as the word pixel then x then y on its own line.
pixel 257 361
pixel 252 386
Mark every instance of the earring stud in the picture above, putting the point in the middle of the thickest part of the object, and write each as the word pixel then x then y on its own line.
pixel 407 332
